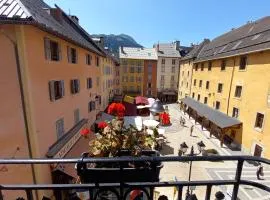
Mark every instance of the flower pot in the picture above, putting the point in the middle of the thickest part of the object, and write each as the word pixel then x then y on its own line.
pixel 127 172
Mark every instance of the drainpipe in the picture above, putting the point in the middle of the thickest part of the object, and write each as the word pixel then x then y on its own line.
pixel 229 96
pixel 26 123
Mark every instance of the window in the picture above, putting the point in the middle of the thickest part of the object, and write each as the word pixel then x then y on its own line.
pixel 72 55
pixel 125 69
pixel 193 95
pixel 238 91
pixel 220 86
pixel 243 63
pixel 200 83
pixel 173 61
pixel 132 79
pixel 207 85
pixel 163 61
pixel 173 69
pixel 162 77
pixel 149 69
pixel 52 50
pixel 199 97
pixel 202 66
pixel 223 65
pixel 60 129
pixel 235 112
pixel 163 68
pixel 92 105
pixel 56 89
pixel 194 82
pixel 217 105
pixel 205 100
pixel 259 120
pixel 97 61
pixel 187 85
pixel 209 66
pixel 89 83
pixel 196 67
pixel 149 85
pixel 132 70
pixel 75 86
pixel 76 116
pixel 172 78
pixel 88 59
pixel 97 81
pixel 188 73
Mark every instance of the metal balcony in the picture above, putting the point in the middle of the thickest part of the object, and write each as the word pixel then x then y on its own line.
pixel 124 188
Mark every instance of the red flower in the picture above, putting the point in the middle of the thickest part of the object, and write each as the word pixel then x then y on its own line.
pixel 102 125
pixel 84 132
pixel 117 109
pixel 165 118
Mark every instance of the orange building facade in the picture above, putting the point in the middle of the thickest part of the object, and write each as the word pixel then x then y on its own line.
pixel 52 90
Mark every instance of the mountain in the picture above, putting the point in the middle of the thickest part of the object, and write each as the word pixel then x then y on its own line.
pixel 113 42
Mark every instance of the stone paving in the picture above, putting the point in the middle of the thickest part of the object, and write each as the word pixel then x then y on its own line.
pixel 176 134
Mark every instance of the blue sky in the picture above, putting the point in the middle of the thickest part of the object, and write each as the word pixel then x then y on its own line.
pixel 150 21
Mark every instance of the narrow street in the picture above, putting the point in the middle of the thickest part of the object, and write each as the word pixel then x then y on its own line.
pixel 177 134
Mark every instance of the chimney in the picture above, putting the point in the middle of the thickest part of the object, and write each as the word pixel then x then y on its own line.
pixel 74 18
pixel 122 49
pixel 56 13
pixel 177 44
pixel 101 41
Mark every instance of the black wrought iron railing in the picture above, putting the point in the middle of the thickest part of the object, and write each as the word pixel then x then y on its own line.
pixel 124 188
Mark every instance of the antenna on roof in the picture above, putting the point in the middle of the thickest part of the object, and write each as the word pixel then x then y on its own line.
pixel 69 12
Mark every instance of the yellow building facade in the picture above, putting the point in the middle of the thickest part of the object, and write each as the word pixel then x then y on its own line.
pixel 231 75
pixel 132 73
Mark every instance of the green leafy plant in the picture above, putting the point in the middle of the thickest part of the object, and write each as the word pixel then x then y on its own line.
pixel 114 137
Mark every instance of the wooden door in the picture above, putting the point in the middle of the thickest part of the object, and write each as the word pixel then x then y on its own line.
pixel 258 150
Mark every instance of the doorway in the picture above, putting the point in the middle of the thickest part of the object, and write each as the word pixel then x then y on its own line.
pixel 258 150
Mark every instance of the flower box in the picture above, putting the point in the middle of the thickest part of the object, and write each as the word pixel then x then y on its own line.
pixel 130 172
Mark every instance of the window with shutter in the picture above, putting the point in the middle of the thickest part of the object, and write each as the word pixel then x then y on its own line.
pixel 69 54
pixel 60 131
pixel 56 90
pixel 47 50
pixel 75 86
pixel 76 116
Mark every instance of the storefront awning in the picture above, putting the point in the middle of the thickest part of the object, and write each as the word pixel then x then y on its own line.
pixel 220 119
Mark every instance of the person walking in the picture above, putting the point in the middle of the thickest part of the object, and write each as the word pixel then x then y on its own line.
pixel 259 172
pixel 191 130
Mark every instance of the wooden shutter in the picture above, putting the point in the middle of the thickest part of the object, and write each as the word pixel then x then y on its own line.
pixel 76 53
pixel 47 48
pixel 72 86
pixel 51 90
pixel 59 51
pixel 69 54
pixel 78 85
pixel 62 87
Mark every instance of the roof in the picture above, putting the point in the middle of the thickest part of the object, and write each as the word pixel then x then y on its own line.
pixel 59 144
pixel 36 12
pixel 196 50
pixel 168 50
pixel 220 119
pixel 138 53
pixel 251 37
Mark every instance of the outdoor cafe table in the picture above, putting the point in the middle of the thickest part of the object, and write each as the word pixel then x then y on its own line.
pixel 150 123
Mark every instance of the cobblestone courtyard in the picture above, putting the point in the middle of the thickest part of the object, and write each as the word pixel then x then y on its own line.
pixel 177 134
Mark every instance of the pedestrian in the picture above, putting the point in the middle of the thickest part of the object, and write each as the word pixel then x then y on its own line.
pixel 259 172
pixel 191 130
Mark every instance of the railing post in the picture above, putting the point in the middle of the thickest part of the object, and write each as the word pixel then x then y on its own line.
pixel 180 193
pixel 29 194
pixel 208 192
pixel 237 179
pixel 1 195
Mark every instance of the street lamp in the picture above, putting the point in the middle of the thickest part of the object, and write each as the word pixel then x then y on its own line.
pixel 183 149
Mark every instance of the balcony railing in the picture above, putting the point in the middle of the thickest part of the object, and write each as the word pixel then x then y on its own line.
pixel 125 188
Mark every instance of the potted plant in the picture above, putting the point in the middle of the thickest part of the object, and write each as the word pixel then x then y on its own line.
pixel 115 140
pixel 165 119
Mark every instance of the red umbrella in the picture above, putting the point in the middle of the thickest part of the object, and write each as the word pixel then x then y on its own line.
pixel 141 100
